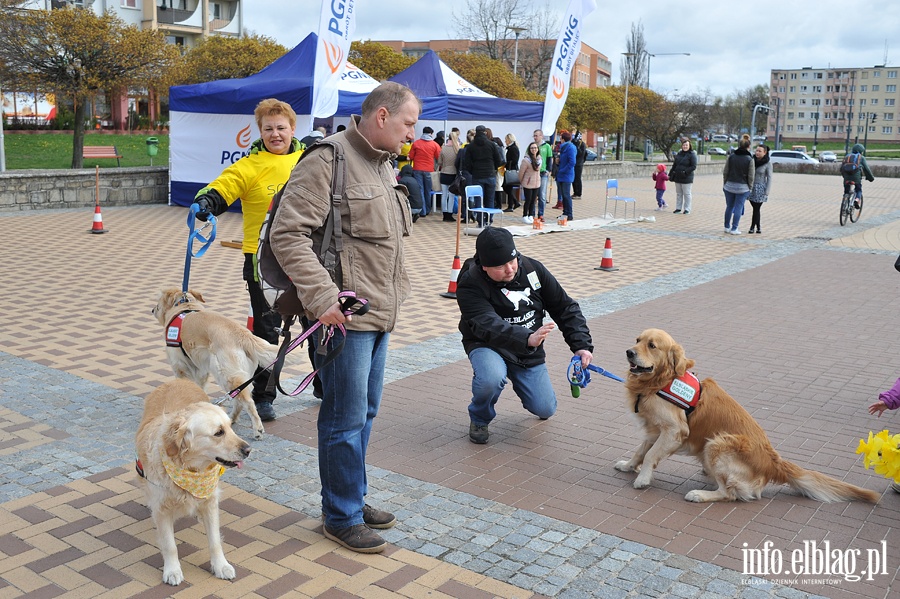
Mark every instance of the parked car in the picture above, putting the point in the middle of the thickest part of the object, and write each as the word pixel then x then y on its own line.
pixel 590 155
pixel 720 137
pixel 828 156
pixel 759 138
pixel 717 151
pixel 791 157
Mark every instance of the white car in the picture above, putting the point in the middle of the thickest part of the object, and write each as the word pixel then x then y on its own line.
pixel 828 156
pixel 791 157
pixel 717 151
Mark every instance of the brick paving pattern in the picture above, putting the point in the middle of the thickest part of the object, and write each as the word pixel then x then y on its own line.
pixel 795 323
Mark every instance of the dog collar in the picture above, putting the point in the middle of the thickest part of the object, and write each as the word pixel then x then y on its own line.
pixel 683 391
pixel 199 484
pixel 173 329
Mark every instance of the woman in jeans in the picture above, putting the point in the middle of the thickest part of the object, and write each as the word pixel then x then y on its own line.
pixel 447 169
pixel 530 180
pixel 738 176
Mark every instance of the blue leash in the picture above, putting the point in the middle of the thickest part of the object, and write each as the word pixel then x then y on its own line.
pixel 195 235
pixel 579 376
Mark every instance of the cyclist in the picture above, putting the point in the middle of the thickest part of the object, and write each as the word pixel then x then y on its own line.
pixel 855 175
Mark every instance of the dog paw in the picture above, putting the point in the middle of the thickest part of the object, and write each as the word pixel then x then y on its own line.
pixel 642 482
pixel 173 576
pixel 624 466
pixel 695 496
pixel 224 570
pixel 260 432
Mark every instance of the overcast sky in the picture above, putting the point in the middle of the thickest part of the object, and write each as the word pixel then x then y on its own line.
pixel 733 45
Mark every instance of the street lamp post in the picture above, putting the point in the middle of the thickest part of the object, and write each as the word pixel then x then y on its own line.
pixel 651 55
pixel 628 56
pixel 2 139
pixel 517 30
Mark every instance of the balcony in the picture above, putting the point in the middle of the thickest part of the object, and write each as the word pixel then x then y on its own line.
pixel 171 16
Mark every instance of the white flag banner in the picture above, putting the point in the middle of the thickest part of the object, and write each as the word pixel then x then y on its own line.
pixel 567 48
pixel 336 27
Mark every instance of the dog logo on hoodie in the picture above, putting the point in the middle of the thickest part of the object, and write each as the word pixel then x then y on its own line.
pixel 518 297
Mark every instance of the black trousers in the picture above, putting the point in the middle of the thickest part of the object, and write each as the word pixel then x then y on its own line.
pixel 576 184
pixel 754 220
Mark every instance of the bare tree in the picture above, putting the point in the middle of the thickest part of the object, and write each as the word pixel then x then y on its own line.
pixel 488 22
pixel 634 67
pixel 535 55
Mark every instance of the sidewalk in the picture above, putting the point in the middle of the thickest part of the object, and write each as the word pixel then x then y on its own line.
pixel 795 323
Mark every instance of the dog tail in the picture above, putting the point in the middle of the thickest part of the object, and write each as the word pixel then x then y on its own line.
pixel 262 351
pixel 821 487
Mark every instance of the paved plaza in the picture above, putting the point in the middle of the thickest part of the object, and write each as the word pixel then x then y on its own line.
pixel 798 324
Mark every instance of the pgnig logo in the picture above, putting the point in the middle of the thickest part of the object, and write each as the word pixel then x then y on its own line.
pixel 242 140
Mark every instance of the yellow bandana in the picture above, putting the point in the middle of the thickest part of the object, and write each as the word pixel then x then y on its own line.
pixel 199 484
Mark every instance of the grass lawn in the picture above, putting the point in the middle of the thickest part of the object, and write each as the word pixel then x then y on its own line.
pixel 54 150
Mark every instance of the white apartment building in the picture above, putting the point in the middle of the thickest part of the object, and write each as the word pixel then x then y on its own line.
pixel 822 104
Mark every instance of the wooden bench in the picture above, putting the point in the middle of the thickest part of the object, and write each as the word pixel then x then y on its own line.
pixel 102 152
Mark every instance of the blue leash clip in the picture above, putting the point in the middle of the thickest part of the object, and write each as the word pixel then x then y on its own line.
pixel 579 376
pixel 196 235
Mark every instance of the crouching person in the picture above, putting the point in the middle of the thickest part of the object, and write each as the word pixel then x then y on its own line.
pixel 503 297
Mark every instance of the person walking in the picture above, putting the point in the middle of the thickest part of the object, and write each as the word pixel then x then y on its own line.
pixel 566 172
pixel 424 154
pixel 254 179
pixel 530 181
pixel 738 176
pixel 511 180
pixel 762 184
pixel 660 177
pixel 546 164
pixel 503 297
pixel 373 220
pixel 580 157
pixel 682 175
pixel 447 169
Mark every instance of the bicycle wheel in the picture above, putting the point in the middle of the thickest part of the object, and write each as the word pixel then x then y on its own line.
pixel 855 212
pixel 845 204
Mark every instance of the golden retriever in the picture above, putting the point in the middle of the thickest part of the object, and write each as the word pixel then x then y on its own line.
pixel 212 344
pixel 729 443
pixel 184 437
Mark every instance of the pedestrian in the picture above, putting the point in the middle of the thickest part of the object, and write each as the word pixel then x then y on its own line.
pixel 660 177
pixel 424 154
pixel 566 173
pixel 546 165
pixel 482 159
pixel 857 157
pixel 408 179
pixel 254 179
pixel 503 297
pixel 682 175
pixel 580 157
pixel 530 181
pixel 738 176
pixel 373 220
pixel 888 400
pixel 762 183
pixel 447 169
pixel 511 176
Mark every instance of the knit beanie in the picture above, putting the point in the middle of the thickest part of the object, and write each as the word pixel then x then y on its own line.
pixel 495 247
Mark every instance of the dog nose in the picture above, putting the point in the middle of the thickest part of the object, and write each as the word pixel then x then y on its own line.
pixel 629 353
pixel 245 450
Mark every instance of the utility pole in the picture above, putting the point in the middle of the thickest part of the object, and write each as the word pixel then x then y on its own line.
pixel 849 117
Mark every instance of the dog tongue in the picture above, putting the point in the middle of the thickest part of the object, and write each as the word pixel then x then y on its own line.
pixel 239 464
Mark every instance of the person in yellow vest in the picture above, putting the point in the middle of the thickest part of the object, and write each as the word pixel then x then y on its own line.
pixel 254 179
pixel 403 156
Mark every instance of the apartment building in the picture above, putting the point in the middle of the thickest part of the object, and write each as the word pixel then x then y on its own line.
pixel 824 104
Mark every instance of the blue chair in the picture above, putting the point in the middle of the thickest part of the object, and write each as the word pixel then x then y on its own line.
pixel 475 204
pixel 616 198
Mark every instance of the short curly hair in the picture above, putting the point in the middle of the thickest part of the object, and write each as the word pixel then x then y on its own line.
pixel 273 107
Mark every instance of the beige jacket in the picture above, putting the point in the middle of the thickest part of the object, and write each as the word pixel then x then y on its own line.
pixel 375 216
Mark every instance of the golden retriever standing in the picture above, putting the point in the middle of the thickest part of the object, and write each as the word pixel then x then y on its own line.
pixel 729 443
pixel 212 344
pixel 183 444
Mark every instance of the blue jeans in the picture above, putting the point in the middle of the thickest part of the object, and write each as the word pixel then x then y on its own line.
pixel 545 182
pixel 352 386
pixel 424 180
pixel 734 208
pixel 565 192
pixel 490 372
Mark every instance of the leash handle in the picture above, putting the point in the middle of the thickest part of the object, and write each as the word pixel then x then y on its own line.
pixel 578 376
pixel 196 235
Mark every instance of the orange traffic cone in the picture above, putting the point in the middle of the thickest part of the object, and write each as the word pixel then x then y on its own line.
pixel 606 263
pixel 97 227
pixel 454 275
pixel 250 318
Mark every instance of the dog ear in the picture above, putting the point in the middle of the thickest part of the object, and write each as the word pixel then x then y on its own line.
pixel 197 296
pixel 679 362
pixel 177 437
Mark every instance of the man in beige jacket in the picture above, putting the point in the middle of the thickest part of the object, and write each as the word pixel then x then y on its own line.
pixel 375 216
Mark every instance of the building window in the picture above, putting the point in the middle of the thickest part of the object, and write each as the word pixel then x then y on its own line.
pixel 129 3
pixel 793 75
pixel 793 88
pixel 888 116
pixel 875 88
pixel 862 88
pixel 789 128
pixel 887 130
pixel 874 101
pixel 790 115
pixel 826 129
pixel 889 102
pixel 799 127
pixel 781 90
pixel 862 102
pixel 801 115
pixel 802 101
pixel 791 102
pixel 840 129
pixel 818 75
pixel 804 88
pixel 890 88
pixel 892 74
pixel 876 74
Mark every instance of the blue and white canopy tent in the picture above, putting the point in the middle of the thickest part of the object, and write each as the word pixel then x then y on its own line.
pixel 212 125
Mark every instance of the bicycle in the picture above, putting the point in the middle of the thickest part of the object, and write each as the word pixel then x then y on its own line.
pixel 848 207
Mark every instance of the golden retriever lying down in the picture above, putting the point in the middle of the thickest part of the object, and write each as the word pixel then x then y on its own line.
pixel 213 345
pixel 183 444
pixel 729 443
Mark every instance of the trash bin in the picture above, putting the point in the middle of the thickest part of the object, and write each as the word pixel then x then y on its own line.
pixel 152 146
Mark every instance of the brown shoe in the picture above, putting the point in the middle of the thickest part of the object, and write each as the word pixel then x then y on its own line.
pixel 359 538
pixel 375 518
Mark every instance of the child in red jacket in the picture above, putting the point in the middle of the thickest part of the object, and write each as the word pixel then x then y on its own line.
pixel 660 176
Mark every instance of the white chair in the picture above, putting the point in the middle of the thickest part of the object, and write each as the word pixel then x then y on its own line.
pixel 616 198
pixel 475 204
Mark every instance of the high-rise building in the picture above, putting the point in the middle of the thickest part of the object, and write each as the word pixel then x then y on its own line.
pixel 824 104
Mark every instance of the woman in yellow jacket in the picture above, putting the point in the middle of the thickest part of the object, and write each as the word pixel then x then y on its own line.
pixel 254 179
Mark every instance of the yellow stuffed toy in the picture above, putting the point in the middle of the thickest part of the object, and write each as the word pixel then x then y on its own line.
pixel 882 451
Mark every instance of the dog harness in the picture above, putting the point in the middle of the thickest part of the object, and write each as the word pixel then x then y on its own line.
pixel 199 484
pixel 173 330
pixel 684 392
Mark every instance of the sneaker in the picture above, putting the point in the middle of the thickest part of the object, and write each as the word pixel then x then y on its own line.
pixel 678 212
pixel 478 433
pixel 266 411
pixel 685 212
pixel 856 204
pixel 375 518
pixel 735 232
pixel 528 220
pixel 359 538
pixel 727 230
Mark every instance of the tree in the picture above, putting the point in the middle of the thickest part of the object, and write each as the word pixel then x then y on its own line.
pixel 378 61
pixel 488 74
pixel 224 57
pixel 536 51
pixel 596 109
pixel 633 68
pixel 488 22
pixel 77 53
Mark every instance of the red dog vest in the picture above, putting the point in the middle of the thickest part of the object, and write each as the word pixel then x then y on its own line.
pixel 684 392
pixel 173 330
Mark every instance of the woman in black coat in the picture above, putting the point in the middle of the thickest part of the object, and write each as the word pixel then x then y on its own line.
pixel 512 165
pixel 682 175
